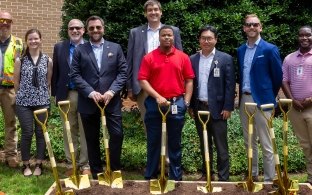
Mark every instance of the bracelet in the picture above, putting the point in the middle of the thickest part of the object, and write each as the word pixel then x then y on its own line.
pixel 187 104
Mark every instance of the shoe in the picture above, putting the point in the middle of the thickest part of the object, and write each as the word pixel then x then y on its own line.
pixel 26 170
pixel 12 162
pixel 69 172
pixel 38 169
pixel 255 178
pixel 86 172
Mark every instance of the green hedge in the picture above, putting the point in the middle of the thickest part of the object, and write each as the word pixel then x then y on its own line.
pixel 134 146
pixel 281 19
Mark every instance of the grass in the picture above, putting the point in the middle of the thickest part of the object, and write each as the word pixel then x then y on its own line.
pixel 12 182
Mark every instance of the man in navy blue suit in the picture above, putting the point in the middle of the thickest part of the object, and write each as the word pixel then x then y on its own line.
pixel 260 78
pixel 214 91
pixel 99 72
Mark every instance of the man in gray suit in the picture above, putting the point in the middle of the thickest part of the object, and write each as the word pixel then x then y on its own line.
pixel 142 40
pixel 99 72
pixel 62 88
pixel 214 91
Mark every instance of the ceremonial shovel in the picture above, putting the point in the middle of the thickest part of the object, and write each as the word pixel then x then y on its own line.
pixel 208 187
pixel 50 151
pixel 76 180
pixel 108 177
pixel 249 185
pixel 162 185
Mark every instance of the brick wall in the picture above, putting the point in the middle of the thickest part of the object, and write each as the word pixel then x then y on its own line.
pixel 45 15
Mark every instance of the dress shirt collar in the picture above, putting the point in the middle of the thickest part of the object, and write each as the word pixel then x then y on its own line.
pixel 75 45
pixel 211 53
pixel 301 54
pixel 149 28
pixel 97 45
pixel 254 45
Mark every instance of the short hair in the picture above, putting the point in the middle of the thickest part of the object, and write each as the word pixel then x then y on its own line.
pixel 165 27
pixel 251 16
pixel 208 28
pixel 94 18
pixel 151 2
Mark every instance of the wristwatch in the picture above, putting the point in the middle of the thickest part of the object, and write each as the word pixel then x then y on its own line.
pixel 187 104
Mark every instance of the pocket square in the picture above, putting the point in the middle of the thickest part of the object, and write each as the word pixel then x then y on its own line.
pixel 261 56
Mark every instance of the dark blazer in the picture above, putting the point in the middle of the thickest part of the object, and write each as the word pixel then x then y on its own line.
pixel 137 48
pixel 221 89
pixel 87 76
pixel 61 67
pixel 265 74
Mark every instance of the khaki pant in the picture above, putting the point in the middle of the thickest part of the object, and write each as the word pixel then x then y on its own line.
pixel 302 125
pixel 7 101
pixel 77 133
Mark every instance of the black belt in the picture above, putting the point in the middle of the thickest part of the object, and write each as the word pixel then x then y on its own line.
pixel 205 103
pixel 6 86
pixel 247 93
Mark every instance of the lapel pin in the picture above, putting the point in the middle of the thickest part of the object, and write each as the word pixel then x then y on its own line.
pixel 110 54
pixel 216 62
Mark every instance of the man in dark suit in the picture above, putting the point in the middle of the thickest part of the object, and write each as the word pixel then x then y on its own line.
pixel 214 89
pixel 99 71
pixel 63 88
pixel 260 78
pixel 142 40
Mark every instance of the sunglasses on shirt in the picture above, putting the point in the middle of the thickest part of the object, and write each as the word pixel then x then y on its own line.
pixel 252 24
pixel 92 28
pixel 8 21
pixel 74 27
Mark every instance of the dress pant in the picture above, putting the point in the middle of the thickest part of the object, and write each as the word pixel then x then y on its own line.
pixel 217 134
pixel 302 125
pixel 77 133
pixel 7 102
pixel 260 130
pixel 91 125
pixel 175 123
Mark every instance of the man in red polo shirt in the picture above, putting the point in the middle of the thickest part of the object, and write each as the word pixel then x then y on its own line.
pixel 166 75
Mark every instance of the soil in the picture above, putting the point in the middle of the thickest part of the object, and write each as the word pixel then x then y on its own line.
pixel 181 188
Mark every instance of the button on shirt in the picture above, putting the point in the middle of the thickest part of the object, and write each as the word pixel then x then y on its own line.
pixel 203 74
pixel 98 52
pixel 152 38
pixel 249 55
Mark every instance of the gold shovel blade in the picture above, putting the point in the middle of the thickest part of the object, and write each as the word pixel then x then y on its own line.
pixel 84 182
pixel 157 188
pixel 104 178
pixel 117 179
pixel 206 189
pixel 255 187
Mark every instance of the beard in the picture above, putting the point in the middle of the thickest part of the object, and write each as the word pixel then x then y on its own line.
pixel 97 37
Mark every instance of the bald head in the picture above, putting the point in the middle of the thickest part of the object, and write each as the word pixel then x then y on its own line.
pixel 5 15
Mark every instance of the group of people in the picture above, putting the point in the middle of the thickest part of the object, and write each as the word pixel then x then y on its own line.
pixel 157 74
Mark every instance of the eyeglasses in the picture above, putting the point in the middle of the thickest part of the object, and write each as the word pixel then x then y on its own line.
pixel 252 24
pixel 8 21
pixel 75 27
pixel 92 28
pixel 206 38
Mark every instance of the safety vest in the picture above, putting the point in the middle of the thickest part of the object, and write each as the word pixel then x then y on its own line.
pixel 14 46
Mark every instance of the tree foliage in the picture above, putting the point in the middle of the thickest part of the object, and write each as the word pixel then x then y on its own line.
pixel 281 20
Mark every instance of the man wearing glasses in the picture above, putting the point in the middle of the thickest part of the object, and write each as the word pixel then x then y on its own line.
pixel 99 72
pixel 64 89
pixel 260 78
pixel 10 48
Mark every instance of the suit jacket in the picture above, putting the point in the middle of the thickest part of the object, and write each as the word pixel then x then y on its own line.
pixel 137 48
pixel 61 67
pixel 88 77
pixel 265 74
pixel 221 90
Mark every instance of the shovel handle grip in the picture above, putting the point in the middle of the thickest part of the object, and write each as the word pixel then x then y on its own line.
pixel 285 101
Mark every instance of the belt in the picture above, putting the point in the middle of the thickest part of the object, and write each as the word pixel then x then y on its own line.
pixel 247 93
pixel 6 86
pixel 174 98
pixel 205 103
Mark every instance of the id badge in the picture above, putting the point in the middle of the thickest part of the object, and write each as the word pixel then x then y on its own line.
pixel 216 72
pixel 174 107
pixel 299 71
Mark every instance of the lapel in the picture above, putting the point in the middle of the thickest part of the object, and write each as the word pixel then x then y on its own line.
pixel 106 51
pixel 215 61
pixel 257 53
pixel 91 55
pixel 196 62
pixel 144 32
pixel 66 51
